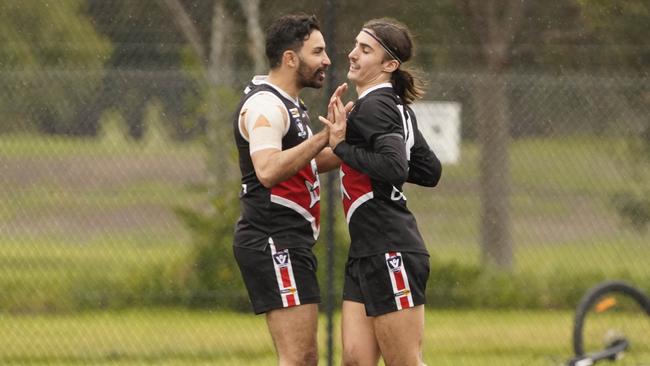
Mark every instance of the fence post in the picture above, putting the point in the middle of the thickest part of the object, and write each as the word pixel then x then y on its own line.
pixel 330 40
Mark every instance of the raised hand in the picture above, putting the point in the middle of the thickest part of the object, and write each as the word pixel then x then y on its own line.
pixel 336 120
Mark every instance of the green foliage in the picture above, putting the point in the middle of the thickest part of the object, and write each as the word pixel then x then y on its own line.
pixel 633 203
pixel 37 36
pixel 212 276
pixel 622 25
pixel 455 285
pixel 633 208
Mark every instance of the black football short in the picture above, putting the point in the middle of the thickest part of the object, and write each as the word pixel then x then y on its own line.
pixel 388 282
pixel 277 279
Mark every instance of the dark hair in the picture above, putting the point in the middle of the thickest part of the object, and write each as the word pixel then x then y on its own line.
pixel 288 33
pixel 397 38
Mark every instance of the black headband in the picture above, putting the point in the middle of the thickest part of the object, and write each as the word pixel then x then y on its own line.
pixel 385 47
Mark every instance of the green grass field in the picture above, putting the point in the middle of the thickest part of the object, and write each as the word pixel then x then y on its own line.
pixel 177 337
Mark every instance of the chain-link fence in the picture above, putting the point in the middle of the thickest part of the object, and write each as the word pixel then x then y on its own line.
pixel 121 217
pixel 118 183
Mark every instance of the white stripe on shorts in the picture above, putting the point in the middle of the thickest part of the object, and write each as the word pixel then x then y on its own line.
pixel 400 281
pixel 284 276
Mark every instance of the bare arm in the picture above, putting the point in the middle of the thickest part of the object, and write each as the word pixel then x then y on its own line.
pixel 273 166
pixel 326 160
pixel 264 121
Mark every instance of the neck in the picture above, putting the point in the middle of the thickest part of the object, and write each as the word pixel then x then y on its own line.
pixel 362 87
pixel 285 82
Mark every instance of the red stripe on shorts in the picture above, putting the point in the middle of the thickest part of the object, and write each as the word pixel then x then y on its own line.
pixel 399 280
pixel 404 300
pixel 286 280
pixel 291 300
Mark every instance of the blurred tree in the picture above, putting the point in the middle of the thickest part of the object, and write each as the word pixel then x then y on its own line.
pixel 255 35
pixel 145 43
pixel 496 25
pixel 622 28
pixel 216 65
pixel 53 45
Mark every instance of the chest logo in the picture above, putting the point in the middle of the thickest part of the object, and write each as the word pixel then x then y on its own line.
pixel 301 127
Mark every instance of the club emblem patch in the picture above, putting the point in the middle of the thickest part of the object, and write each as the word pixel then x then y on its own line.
pixel 301 127
pixel 394 263
pixel 281 258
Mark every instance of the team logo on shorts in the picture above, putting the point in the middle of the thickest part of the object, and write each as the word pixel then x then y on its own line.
pixel 394 262
pixel 281 258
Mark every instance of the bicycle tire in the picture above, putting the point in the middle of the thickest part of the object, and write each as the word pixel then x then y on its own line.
pixel 590 299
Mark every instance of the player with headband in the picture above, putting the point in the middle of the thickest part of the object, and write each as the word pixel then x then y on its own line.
pixel 381 148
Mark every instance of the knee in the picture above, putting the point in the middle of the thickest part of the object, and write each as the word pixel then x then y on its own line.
pixel 307 356
pixel 310 357
pixel 352 359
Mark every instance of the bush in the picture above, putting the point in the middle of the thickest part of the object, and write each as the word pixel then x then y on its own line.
pixel 211 276
pixel 452 285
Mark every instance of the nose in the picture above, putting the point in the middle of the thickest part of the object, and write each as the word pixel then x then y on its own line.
pixel 326 60
pixel 353 54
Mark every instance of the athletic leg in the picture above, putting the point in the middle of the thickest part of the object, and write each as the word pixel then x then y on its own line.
pixel 399 335
pixel 294 332
pixel 360 346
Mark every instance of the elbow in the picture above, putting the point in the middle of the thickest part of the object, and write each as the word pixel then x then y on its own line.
pixel 436 174
pixel 428 176
pixel 266 183
pixel 266 179
pixel 399 174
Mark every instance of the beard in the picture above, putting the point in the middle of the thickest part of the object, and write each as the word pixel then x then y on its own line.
pixel 311 78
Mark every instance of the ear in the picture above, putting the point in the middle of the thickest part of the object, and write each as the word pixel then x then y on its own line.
pixel 390 66
pixel 290 58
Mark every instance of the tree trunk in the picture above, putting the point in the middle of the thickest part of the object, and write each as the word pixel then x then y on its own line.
pixel 494 168
pixel 255 35
pixel 221 62
pixel 221 77
pixel 495 23
pixel 184 23
pixel 219 71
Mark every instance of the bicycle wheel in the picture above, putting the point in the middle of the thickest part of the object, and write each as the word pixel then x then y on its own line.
pixel 615 316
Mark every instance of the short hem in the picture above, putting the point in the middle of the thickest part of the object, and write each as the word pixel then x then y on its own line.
pixel 266 309
pixel 360 301
pixel 388 311
pixel 383 251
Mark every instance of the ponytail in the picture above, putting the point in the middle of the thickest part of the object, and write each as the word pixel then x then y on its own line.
pixel 408 86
